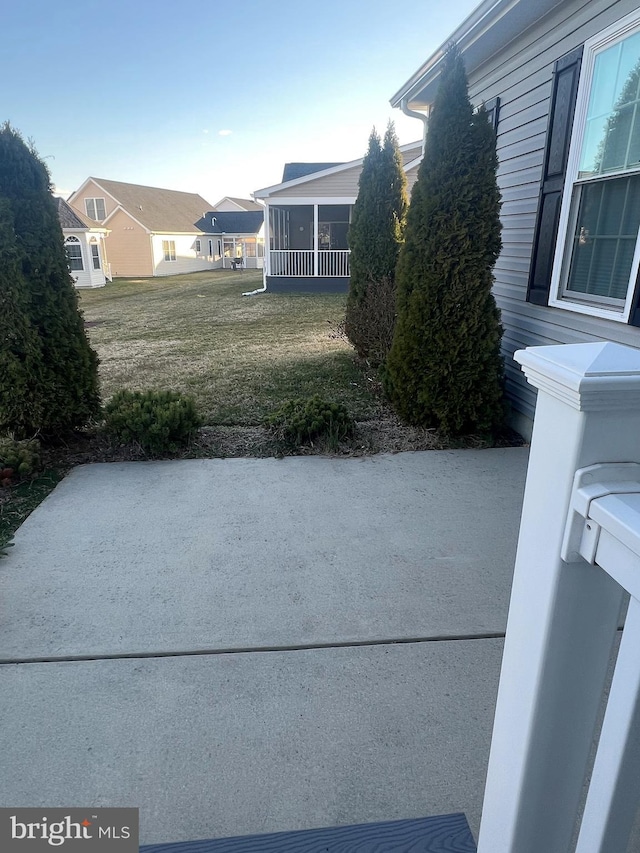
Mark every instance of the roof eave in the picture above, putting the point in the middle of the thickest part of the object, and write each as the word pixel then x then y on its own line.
pixel 488 28
pixel 285 185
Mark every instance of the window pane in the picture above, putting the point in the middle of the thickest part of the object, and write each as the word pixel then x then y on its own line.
pixel 95 255
pixel 74 255
pixel 100 211
pixel 612 134
pixel 90 207
pixel 605 237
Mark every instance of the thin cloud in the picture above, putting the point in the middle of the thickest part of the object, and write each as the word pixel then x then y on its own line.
pixel 225 132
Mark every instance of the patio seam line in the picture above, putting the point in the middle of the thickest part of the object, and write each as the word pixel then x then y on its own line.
pixel 243 650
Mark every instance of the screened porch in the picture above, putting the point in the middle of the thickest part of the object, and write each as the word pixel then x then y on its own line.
pixel 308 240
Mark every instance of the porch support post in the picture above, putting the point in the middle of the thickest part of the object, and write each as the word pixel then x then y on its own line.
pixel 563 616
pixel 315 239
pixel 267 244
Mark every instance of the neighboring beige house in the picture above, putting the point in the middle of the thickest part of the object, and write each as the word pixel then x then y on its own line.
pixel 233 205
pixel 152 230
pixel 307 220
pixel 84 242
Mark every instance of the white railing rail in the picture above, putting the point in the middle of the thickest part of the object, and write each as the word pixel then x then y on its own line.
pixel 291 262
pixel 564 615
pixel 332 263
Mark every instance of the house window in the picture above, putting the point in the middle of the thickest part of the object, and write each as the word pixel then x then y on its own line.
pixel 598 252
pixel 198 247
pixel 95 256
pixel 95 208
pixel 169 250
pixel 74 253
pixel 211 248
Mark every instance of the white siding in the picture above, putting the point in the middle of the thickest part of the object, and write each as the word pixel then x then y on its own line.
pixel 88 276
pixel 187 259
pixel 520 75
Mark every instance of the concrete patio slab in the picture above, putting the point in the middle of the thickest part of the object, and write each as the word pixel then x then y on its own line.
pixel 219 745
pixel 247 553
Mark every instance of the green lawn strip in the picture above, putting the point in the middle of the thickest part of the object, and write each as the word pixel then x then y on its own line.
pixel 239 356
pixel 22 499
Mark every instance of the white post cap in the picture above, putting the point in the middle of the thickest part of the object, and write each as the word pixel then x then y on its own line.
pixel 587 377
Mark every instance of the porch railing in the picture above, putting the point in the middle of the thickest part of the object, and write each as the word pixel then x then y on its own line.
pixel 578 555
pixel 331 263
pixel 293 263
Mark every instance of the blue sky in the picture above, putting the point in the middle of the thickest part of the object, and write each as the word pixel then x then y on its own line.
pixel 210 98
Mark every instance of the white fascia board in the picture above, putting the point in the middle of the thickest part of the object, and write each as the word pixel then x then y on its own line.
pixel 476 23
pixel 124 210
pixel 102 189
pixel 264 193
pixel 413 163
pixel 489 28
pixel 314 199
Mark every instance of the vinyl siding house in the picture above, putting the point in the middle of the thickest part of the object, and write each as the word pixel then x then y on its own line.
pixel 84 243
pixel 306 223
pixel 156 232
pixel 562 77
pixel 238 236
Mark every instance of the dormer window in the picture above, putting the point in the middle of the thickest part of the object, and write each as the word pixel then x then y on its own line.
pixel 95 208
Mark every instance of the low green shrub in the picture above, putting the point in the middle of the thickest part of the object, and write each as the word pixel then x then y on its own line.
pixel 159 421
pixel 302 421
pixel 18 459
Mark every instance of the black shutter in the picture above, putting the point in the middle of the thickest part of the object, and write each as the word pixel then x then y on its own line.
pixel 564 90
pixel 493 112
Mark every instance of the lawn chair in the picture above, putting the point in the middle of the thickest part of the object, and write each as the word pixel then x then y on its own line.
pixel 237 263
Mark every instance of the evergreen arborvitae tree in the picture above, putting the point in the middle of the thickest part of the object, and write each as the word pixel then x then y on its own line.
pixel 444 368
pixel 48 372
pixel 375 237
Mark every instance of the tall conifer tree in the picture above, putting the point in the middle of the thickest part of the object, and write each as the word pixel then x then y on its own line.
pixel 444 368
pixel 375 237
pixel 48 372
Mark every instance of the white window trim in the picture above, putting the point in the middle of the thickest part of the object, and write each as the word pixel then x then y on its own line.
pixel 94 199
pixel 169 251
pixel 616 32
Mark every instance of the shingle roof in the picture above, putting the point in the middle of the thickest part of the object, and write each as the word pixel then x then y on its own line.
pixel 70 218
pixel 160 210
pixel 301 170
pixel 229 222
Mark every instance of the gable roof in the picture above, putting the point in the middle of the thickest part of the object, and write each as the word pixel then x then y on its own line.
pixel 243 203
pixel 230 222
pixel 301 170
pixel 157 209
pixel 70 218
pixel 411 153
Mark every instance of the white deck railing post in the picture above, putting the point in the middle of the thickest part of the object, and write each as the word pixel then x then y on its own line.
pixel 563 616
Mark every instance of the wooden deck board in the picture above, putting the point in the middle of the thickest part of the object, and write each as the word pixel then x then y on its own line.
pixel 441 834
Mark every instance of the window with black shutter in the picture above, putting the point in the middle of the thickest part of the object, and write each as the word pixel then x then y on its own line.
pixel 587 251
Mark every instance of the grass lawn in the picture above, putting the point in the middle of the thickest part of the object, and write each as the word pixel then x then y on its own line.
pixel 239 356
